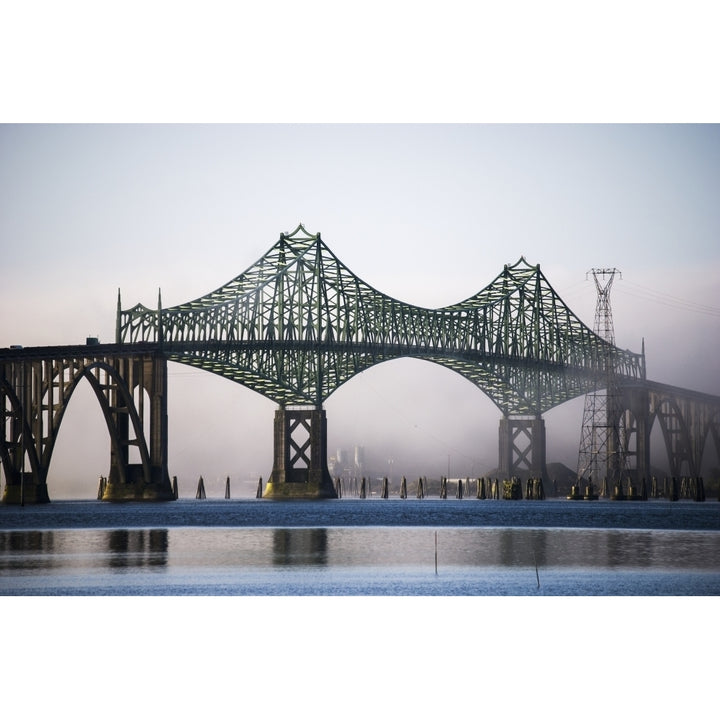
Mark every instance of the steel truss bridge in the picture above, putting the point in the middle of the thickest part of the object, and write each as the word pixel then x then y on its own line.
pixel 297 325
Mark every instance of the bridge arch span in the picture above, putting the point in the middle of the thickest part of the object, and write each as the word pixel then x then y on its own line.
pixel 428 412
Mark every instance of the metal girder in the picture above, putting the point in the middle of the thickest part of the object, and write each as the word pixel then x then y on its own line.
pixel 298 324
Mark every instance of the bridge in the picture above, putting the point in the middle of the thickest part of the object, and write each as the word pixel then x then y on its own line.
pixel 298 324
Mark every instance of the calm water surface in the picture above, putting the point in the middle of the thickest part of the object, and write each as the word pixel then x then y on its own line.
pixel 361 547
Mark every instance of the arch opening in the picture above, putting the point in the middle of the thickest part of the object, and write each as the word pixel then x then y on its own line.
pixel 82 447
pixel 425 420
pixel 217 429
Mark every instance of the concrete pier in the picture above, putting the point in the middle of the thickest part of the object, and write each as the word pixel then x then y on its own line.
pixel 300 468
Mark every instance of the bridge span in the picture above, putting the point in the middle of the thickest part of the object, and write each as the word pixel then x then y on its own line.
pixel 298 324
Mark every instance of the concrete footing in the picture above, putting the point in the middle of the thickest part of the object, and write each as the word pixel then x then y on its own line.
pixel 27 493
pixel 136 487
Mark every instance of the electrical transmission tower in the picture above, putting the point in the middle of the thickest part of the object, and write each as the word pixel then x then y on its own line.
pixel 600 455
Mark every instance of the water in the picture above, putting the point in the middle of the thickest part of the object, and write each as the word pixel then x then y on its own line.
pixel 339 606
pixel 354 547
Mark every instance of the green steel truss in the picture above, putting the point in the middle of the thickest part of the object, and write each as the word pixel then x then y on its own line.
pixel 298 324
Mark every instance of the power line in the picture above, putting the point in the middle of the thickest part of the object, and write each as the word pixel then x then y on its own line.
pixel 656 296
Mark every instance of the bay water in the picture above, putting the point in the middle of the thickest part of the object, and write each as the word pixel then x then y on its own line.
pixel 358 608
pixel 353 547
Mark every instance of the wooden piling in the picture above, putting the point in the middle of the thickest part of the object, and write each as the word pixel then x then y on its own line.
pixel 481 489
pixel 259 492
pixel 363 492
pixel 338 487
pixel 175 487
pixel 200 494
pixel 403 488
pixel 590 490
pixel 443 488
pixel 420 489
pixel 541 490
pixel 385 491
pixel 512 489
pixel 227 488
pixel 459 491
pixel 604 488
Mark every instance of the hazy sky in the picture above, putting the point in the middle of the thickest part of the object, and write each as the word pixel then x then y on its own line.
pixel 426 213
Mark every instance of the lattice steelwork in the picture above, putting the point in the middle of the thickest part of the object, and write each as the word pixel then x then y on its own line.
pixel 600 451
pixel 298 324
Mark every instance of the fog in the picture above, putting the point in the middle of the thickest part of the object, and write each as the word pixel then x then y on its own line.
pixel 428 214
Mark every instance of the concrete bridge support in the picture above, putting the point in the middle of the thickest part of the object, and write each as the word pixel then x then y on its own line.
pixel 689 423
pixel 35 389
pixel 300 456
pixel 25 478
pixel 522 447
pixel 634 434
pixel 148 479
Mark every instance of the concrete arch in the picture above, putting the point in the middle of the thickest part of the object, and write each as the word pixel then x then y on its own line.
pixel 711 432
pixel 110 413
pixel 631 441
pixel 36 394
pixel 667 412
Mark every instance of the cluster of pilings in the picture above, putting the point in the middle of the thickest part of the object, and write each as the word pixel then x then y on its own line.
pixel 692 489
pixel 200 493
pixel 687 488
pixel 583 491
pixel 484 489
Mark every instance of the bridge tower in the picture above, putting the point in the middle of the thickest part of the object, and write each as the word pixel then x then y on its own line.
pixel 300 455
pixel 600 457
pixel 522 447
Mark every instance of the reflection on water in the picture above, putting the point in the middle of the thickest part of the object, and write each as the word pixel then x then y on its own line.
pixel 137 548
pixel 29 541
pixel 300 546
pixel 359 560
pixel 30 551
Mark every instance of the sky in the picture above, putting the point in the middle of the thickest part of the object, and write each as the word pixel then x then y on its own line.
pixel 427 213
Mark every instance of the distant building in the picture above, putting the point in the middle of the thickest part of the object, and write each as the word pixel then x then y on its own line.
pixel 342 465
